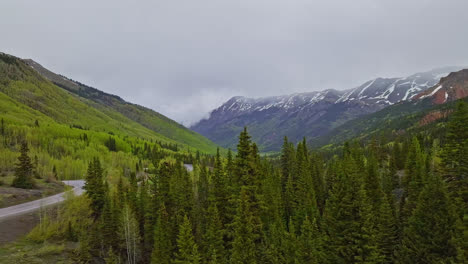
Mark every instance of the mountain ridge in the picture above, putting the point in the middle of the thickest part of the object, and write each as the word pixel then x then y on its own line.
pixel 72 103
pixel 271 118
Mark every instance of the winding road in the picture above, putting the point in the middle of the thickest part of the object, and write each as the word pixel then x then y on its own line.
pixel 34 205
pixel 54 199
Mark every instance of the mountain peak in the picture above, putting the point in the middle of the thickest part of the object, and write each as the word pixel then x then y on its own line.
pixel 309 114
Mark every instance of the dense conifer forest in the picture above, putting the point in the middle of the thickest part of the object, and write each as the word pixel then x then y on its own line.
pixel 378 201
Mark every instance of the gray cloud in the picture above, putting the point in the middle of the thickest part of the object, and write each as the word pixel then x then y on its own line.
pixel 184 57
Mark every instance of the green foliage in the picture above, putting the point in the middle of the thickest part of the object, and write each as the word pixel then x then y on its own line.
pixel 348 218
pixel 300 207
pixel 162 250
pixel 429 236
pixel 244 248
pixel 24 170
pixel 95 188
pixel 187 249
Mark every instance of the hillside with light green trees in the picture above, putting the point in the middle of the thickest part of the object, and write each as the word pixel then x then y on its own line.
pixel 26 88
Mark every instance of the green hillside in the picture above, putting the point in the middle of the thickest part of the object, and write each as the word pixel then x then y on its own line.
pixel 92 109
pixel 391 122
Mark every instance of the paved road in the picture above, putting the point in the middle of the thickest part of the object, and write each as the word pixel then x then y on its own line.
pixel 34 205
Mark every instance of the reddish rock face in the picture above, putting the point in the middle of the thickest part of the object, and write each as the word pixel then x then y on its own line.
pixel 450 88
pixel 439 97
pixel 433 116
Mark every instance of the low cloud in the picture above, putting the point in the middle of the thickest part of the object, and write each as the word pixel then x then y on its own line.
pixel 183 58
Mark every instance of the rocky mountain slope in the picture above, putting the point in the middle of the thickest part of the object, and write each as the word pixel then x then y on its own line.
pixel 310 114
pixel 426 108
pixel 450 88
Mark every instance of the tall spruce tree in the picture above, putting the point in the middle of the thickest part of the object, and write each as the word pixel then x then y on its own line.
pixel 94 187
pixel 163 247
pixel 455 157
pixel 218 190
pixel 347 217
pixel 244 248
pixel 214 250
pixel 413 180
pixel 24 170
pixel 187 249
pixel 429 236
pixel 310 246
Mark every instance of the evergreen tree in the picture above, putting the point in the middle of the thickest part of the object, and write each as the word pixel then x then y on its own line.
pixel 386 231
pixel 187 249
pixel 310 246
pixel 243 162
pixel 455 157
pixel 348 221
pixel 287 160
pixel 413 181
pixel 109 224
pixel 218 188
pixel 244 248
pixel 429 236
pixel 214 251
pixel 162 250
pixel 24 170
pixel 304 193
pixel 94 187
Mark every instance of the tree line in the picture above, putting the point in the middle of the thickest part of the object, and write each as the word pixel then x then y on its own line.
pixel 383 202
pixel 399 201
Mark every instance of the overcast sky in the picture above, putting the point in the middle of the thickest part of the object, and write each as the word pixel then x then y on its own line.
pixel 183 58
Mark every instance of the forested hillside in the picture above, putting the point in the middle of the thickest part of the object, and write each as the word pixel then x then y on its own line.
pixel 388 201
pixel 116 108
pixel 23 84
pixel 63 132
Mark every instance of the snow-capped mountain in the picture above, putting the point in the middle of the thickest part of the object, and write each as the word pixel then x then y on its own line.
pixel 309 114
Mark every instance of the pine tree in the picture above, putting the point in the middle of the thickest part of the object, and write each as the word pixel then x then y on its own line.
pixel 243 162
pixel 318 181
pixel 109 225
pixel 24 170
pixel 244 248
pixel 456 139
pixel 289 245
pixel 454 156
pixel 287 160
pixel 187 249
pixel 429 236
pixel 310 243
pixel 413 181
pixel 162 249
pixel 304 194
pixel 218 188
pixel 94 187
pixel 386 231
pixel 214 251
pixel 348 220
